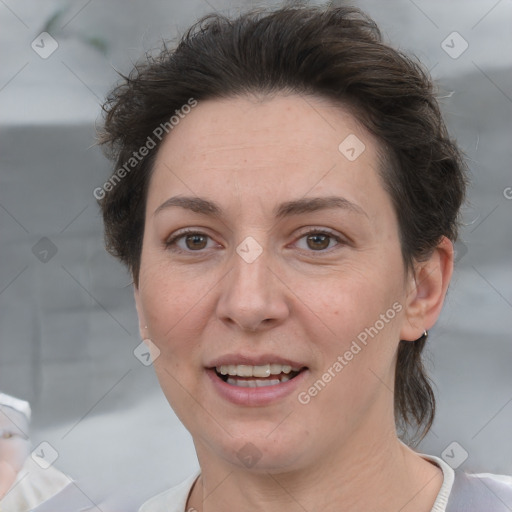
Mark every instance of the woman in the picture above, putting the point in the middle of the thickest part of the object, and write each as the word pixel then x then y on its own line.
pixel 286 198
pixel 14 443
pixel 24 484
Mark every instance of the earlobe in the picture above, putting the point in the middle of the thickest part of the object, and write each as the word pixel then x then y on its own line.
pixel 426 294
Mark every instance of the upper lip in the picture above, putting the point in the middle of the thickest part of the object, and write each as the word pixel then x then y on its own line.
pixel 253 360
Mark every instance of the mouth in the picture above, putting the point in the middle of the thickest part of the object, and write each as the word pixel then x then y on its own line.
pixel 249 376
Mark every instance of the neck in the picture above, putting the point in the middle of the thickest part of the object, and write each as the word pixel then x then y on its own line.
pixel 396 479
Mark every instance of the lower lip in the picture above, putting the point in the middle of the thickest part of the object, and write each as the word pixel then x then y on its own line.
pixel 255 396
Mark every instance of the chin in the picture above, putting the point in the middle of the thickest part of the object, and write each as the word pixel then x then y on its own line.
pixel 262 450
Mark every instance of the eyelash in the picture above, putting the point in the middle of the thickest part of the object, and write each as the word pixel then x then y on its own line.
pixel 171 243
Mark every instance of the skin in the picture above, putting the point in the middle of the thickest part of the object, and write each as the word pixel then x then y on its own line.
pixel 297 299
pixel 13 450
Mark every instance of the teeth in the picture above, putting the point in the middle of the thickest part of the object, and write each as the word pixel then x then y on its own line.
pixel 255 383
pixel 275 369
pixel 244 370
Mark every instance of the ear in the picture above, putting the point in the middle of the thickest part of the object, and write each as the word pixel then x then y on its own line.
pixel 140 312
pixel 427 290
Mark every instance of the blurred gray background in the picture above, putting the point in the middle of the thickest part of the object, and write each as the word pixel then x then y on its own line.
pixel 68 326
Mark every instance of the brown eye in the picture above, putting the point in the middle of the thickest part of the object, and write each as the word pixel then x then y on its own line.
pixel 7 434
pixel 318 241
pixel 195 241
pixel 188 241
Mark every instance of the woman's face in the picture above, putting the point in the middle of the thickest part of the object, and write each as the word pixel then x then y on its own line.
pixel 254 289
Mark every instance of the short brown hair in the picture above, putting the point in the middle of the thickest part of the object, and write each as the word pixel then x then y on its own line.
pixel 332 52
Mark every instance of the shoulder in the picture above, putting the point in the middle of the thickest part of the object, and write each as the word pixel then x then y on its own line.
pixel 471 492
pixel 482 491
pixel 173 499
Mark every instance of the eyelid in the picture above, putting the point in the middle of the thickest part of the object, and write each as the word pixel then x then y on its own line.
pixel 321 230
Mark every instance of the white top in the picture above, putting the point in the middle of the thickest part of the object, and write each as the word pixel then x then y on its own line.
pixel 33 486
pixel 175 499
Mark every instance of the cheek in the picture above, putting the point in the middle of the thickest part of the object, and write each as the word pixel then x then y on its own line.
pixel 355 332
pixel 174 314
pixel 167 299
pixel 351 299
pixel 14 451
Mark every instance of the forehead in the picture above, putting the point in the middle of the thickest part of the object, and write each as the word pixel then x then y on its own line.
pixel 267 147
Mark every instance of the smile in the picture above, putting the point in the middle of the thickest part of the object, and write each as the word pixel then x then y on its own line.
pixel 255 380
pixel 249 376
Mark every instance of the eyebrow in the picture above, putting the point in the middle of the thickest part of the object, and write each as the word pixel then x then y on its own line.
pixel 286 209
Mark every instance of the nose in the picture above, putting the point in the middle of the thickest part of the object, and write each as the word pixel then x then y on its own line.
pixel 252 296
